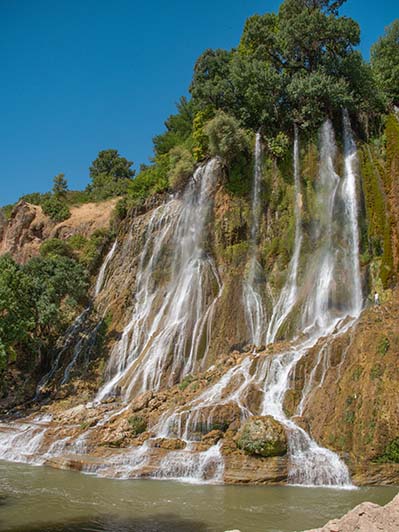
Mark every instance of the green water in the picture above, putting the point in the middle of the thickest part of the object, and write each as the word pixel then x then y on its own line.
pixel 41 499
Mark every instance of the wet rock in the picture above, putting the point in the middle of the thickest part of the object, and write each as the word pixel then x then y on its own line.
pixel 213 418
pixel 263 436
pixel 169 444
pixel 212 437
pixel 141 401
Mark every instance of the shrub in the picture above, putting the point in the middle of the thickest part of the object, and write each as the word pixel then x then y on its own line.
pixel 181 167
pixel 226 137
pixel 188 379
pixel 137 424
pixel 391 453
pixel 278 145
pixel 55 209
pixel 56 246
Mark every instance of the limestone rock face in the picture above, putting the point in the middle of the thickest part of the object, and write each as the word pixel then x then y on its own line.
pixel 28 227
pixel 263 436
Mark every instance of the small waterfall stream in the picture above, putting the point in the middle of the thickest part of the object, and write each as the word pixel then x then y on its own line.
pixel 253 303
pixel 288 294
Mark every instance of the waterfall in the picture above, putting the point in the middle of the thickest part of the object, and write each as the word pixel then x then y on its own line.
pixel 170 324
pixel 253 304
pixel 175 296
pixel 288 294
pixel 351 208
pixel 103 269
pixel 325 275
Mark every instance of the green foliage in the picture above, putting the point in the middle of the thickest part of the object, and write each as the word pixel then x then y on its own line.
pixel 89 250
pixel 181 167
pixel 375 202
pixel 35 299
pixel 36 198
pixel 211 84
pixel 60 186
pixel 17 317
pixel 56 247
pixel 376 372
pixel 55 209
pixel 391 453
pixel 110 163
pixel 240 176
pixel 138 425
pixel 385 62
pixel 226 138
pixel 349 417
pixel 178 128
pixel 151 180
pixel 110 174
pixel 188 379
pixel 200 138
pixel 278 146
pixel 5 211
pixel 383 346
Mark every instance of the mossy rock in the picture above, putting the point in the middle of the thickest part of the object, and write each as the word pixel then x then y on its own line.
pixel 263 436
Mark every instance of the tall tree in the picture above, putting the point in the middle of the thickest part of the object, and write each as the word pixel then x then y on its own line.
pixel 111 164
pixel 385 62
pixel 60 185
pixel 110 174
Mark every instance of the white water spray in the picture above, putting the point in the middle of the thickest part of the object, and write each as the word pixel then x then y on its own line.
pixel 253 303
pixel 288 295
pixel 169 327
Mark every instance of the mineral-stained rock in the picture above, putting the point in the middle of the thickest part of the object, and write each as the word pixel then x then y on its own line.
pixel 169 444
pixel 242 468
pixel 141 401
pixel 263 436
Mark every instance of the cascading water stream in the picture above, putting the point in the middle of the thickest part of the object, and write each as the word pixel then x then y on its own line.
pixel 253 303
pixel 168 331
pixel 103 269
pixel 163 318
pixel 311 464
pixel 349 196
pixel 288 294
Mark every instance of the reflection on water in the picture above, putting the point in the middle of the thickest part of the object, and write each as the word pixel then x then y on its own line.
pixel 40 499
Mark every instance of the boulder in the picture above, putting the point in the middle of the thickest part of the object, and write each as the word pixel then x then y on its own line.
pixel 263 436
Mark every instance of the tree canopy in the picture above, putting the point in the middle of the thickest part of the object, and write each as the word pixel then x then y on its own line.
pixel 385 63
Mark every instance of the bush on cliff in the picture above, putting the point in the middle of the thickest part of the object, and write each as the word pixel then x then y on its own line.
pixel 55 209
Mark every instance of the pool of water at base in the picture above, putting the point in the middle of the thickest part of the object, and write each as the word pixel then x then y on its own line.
pixel 41 499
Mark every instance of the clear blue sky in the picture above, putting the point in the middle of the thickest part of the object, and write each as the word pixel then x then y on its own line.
pixel 78 76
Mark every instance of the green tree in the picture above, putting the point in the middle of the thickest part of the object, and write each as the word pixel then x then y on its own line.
pixel 178 128
pixel 385 62
pixel 111 164
pixel 110 174
pixel 17 316
pixel 211 84
pixel 60 186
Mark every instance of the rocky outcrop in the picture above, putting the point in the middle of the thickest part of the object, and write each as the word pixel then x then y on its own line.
pixel 263 436
pixel 28 227
pixel 366 517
